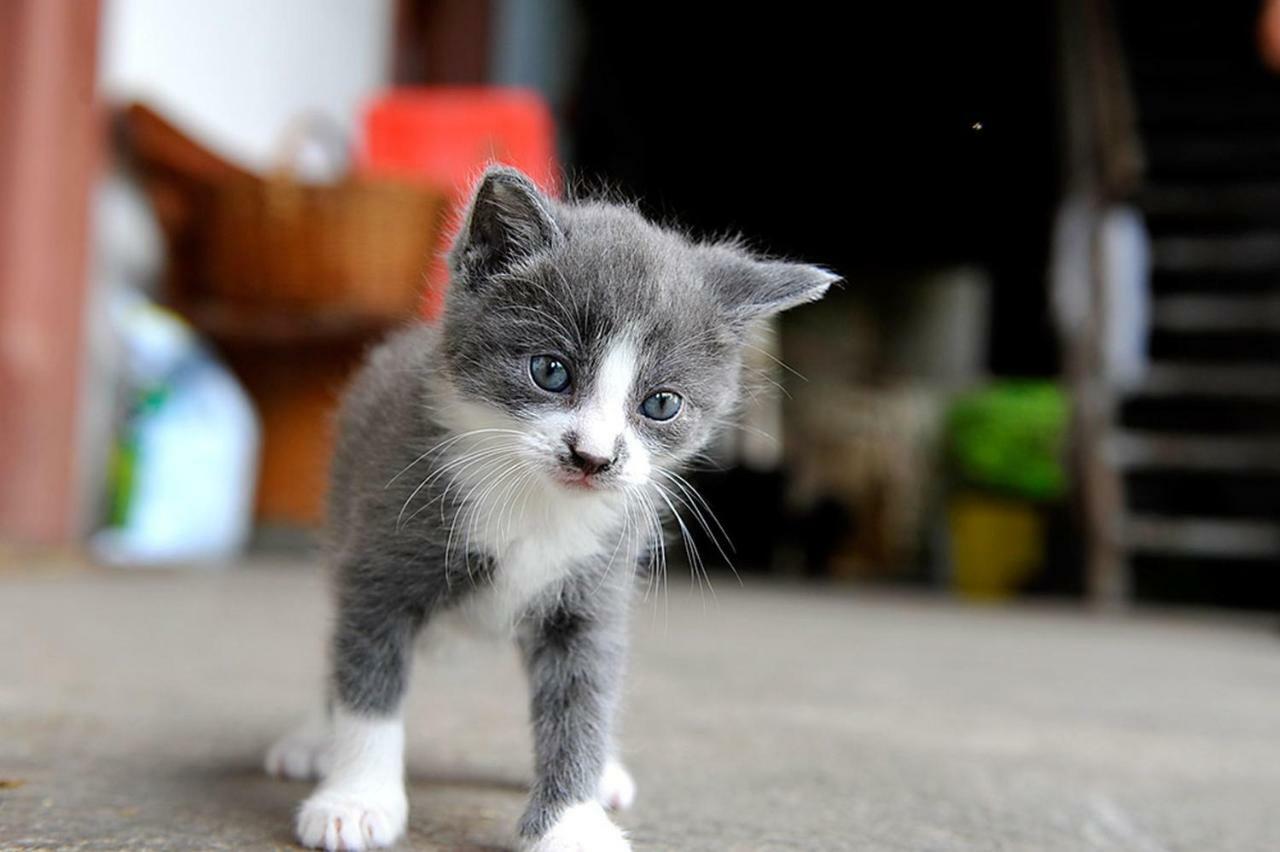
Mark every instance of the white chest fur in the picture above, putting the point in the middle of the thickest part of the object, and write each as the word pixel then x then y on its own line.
pixel 535 541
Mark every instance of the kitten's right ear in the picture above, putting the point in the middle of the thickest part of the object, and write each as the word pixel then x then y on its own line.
pixel 749 288
pixel 508 219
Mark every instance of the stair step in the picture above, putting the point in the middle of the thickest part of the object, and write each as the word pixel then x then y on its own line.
pixel 1187 313
pixel 1241 380
pixel 1224 197
pixel 1251 252
pixel 1213 207
pixel 1131 450
pixel 1203 103
pixel 1232 154
pixel 1201 537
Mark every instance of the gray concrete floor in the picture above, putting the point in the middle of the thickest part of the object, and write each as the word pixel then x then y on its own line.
pixel 134 708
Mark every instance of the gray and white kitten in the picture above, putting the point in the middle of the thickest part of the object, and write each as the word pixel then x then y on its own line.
pixel 509 465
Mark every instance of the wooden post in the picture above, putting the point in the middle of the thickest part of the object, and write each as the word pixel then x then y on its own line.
pixel 51 136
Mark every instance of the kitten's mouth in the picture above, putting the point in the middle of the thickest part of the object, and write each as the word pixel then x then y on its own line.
pixel 580 481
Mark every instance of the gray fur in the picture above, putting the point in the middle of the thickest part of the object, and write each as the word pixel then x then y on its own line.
pixel 530 276
pixel 574 655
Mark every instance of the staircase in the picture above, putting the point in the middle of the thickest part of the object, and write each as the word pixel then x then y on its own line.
pixel 1186 465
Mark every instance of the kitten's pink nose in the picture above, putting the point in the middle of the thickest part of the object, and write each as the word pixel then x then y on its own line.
pixel 589 463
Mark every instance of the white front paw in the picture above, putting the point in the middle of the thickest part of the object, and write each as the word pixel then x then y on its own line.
pixel 366 819
pixel 617 791
pixel 584 827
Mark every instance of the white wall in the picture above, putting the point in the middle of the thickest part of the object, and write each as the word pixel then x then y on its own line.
pixel 236 71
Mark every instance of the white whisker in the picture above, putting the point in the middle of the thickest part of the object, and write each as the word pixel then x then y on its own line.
pixel 441 446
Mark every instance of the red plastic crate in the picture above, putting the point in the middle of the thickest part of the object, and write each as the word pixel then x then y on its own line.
pixel 446 136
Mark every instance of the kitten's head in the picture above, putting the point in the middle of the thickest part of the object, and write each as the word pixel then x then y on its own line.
pixel 608 344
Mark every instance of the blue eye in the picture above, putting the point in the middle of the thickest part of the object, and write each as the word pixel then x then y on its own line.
pixel 662 405
pixel 549 373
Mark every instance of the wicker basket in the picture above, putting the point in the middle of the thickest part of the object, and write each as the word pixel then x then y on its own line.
pixel 357 247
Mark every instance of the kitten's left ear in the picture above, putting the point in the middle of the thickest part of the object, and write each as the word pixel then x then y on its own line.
pixel 508 219
pixel 751 289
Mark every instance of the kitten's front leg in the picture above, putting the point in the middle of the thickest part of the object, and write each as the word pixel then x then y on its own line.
pixel 361 803
pixel 574 656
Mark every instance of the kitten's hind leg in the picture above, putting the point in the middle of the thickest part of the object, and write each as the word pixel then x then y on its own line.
pixel 305 753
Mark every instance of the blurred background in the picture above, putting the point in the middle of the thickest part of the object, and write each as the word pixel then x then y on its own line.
pixel 1053 369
